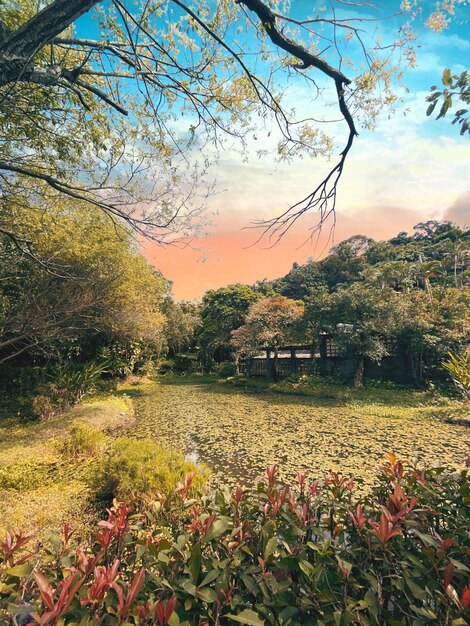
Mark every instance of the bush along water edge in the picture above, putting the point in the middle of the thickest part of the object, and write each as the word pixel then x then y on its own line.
pixel 268 555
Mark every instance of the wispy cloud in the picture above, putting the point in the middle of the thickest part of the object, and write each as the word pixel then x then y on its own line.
pixel 411 169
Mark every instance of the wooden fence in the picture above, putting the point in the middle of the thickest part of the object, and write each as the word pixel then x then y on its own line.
pixel 327 360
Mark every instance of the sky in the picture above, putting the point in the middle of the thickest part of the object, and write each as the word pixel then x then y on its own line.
pixel 411 168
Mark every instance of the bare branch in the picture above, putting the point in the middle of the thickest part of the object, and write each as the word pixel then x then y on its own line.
pixel 323 198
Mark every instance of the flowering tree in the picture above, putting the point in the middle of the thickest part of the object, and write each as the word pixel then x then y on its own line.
pixel 271 322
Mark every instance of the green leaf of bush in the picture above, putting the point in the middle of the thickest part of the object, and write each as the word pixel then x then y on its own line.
pixel 20 571
pixel 247 617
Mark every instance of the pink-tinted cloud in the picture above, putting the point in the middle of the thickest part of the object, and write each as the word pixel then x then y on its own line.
pixel 459 212
pixel 230 255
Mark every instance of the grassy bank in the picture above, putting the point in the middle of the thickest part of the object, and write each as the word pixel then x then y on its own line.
pixel 374 399
pixel 70 466
pixel 39 487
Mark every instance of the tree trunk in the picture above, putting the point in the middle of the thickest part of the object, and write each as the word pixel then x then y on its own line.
pixel 275 360
pixel 359 378
pixel 268 363
pixel 323 356
pixel 408 364
pixel 293 361
pixel 43 26
pixel 428 289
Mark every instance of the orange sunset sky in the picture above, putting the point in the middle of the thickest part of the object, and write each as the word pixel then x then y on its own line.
pixel 411 168
pixel 379 197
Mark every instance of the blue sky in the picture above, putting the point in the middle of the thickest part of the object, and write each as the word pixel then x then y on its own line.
pixel 410 168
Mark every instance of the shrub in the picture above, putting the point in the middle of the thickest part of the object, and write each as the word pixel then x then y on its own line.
pixel 42 407
pixel 272 555
pixel 122 357
pixel 226 370
pixel 83 441
pixel 184 364
pixel 134 468
pixel 165 366
pixel 148 367
pixel 72 383
pixel 20 381
pixel 458 367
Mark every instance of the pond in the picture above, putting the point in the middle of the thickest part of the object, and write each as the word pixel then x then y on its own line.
pixel 239 433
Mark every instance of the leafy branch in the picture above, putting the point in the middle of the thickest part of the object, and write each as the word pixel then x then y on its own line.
pixel 456 87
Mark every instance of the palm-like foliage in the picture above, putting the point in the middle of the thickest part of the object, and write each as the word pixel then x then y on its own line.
pixel 458 367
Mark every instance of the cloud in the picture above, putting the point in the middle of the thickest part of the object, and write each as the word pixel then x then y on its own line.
pixel 392 181
pixel 459 212
pixel 411 169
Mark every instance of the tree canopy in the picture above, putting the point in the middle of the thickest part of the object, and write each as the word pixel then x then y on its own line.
pixel 223 310
pixel 270 322
pixel 113 110
pixel 406 298
pixel 100 290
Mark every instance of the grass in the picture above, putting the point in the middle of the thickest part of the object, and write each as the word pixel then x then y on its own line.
pixel 188 379
pixel 374 399
pixel 39 487
pixel 237 426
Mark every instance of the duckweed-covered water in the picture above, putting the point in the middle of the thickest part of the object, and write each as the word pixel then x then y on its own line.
pixel 239 433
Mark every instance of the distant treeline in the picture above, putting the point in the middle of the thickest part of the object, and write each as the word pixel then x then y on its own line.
pixel 79 303
pixel 407 297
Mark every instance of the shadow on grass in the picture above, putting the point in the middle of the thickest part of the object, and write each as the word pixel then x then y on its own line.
pixel 335 393
pixel 187 379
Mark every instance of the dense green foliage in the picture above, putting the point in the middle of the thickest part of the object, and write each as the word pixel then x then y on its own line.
pixel 223 311
pixel 435 252
pixel 95 290
pixel 359 317
pixel 81 303
pixel 270 322
pixel 308 554
pixel 406 298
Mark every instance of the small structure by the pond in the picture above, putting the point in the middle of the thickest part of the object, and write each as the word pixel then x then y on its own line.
pixel 325 359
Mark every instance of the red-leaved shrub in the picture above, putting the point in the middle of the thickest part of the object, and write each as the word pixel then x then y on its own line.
pixel 308 554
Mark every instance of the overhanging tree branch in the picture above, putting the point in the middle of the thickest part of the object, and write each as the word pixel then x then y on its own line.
pixel 185 67
pixel 323 198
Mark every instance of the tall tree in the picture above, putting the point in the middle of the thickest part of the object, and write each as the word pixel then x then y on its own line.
pixel 181 321
pixel 96 287
pixel 223 310
pixel 270 323
pixel 301 279
pixel 359 317
pixel 346 261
